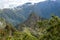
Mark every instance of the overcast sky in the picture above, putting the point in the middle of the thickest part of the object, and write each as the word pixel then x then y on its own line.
pixel 12 3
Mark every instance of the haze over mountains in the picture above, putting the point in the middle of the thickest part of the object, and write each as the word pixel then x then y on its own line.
pixel 20 13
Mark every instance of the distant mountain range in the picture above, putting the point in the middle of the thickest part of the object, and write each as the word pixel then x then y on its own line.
pixel 20 13
pixel 44 9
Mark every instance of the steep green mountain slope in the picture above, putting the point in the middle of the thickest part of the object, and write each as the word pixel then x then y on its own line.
pixel 46 30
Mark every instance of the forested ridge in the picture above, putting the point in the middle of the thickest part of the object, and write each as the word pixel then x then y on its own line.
pixel 45 30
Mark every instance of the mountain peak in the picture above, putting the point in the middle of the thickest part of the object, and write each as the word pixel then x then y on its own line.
pixel 28 3
pixel 33 16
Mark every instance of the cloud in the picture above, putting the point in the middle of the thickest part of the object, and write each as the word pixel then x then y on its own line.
pixel 12 3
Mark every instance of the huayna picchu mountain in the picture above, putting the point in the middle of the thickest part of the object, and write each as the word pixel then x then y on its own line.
pixel 31 21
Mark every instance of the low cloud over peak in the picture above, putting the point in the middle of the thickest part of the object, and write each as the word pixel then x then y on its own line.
pixel 13 3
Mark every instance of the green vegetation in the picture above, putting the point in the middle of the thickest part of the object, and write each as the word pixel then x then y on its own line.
pixel 46 30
